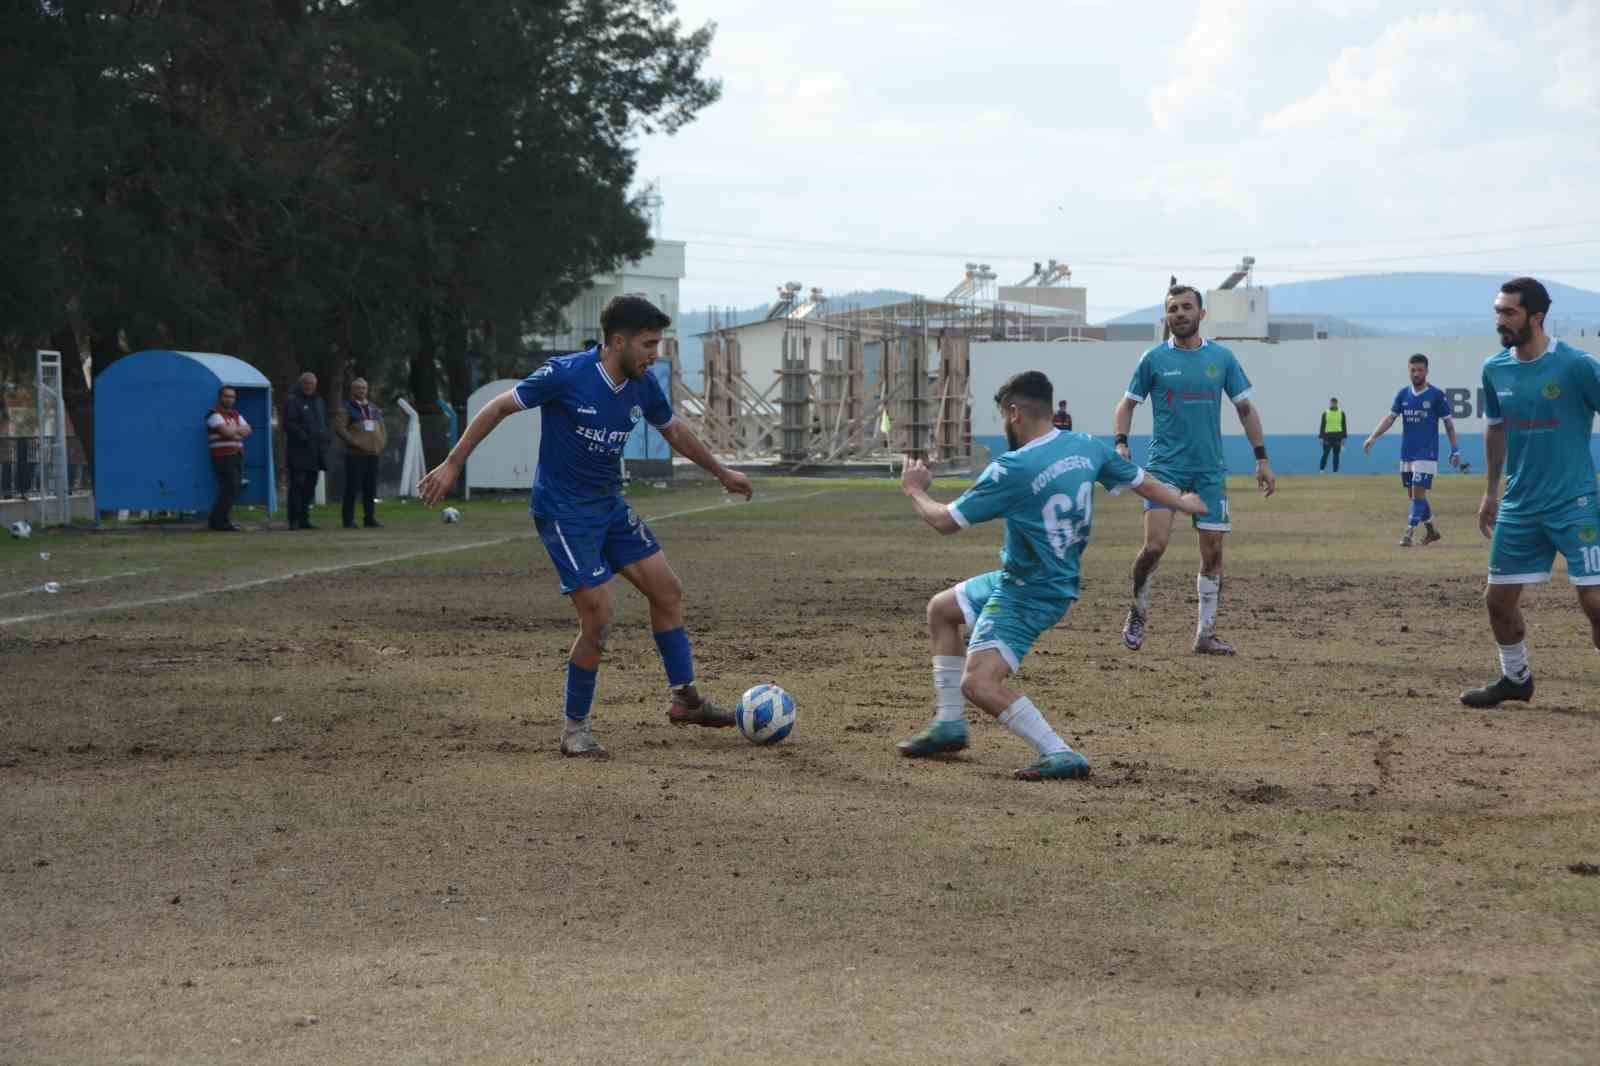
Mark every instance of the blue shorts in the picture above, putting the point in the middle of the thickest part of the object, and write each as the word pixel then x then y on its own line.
pixel 1418 472
pixel 1006 617
pixel 589 549
pixel 1523 550
pixel 1211 487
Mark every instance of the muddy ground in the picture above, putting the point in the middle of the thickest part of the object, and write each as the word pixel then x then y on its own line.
pixel 322 819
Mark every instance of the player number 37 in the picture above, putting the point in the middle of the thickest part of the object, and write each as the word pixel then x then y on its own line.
pixel 1065 520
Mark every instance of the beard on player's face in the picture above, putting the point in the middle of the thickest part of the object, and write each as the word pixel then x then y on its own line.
pixel 1512 337
pixel 1013 438
pixel 1183 328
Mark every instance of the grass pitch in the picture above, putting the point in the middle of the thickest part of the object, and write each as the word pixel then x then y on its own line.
pixel 321 819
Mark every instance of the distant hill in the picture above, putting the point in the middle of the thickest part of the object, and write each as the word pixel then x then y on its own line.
pixel 1429 304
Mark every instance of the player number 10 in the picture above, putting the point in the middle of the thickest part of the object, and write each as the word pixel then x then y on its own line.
pixel 1064 523
pixel 1591 560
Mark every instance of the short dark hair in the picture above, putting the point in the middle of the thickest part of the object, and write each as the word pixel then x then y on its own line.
pixel 1179 290
pixel 1417 358
pixel 1333 399
pixel 1535 297
pixel 1030 389
pixel 629 315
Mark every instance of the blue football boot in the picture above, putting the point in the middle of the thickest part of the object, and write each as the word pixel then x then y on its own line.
pixel 1060 766
pixel 938 738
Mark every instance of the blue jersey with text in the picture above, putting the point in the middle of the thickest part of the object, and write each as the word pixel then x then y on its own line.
pixel 1547 407
pixel 1185 388
pixel 586 421
pixel 1045 492
pixel 1419 414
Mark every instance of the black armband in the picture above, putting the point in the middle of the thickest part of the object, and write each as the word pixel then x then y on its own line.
pixel 1261 452
pixel 1122 438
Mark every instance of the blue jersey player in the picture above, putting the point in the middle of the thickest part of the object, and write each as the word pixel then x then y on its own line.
pixel 1185 379
pixel 590 403
pixel 1420 407
pixel 1540 397
pixel 1044 489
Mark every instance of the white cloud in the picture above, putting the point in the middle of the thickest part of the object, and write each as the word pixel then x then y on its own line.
pixel 1415 76
pixel 1574 39
pixel 1204 61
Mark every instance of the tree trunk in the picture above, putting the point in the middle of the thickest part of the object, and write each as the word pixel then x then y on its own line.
pixel 424 378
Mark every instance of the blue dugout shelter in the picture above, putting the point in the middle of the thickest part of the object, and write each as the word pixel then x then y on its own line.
pixel 150 433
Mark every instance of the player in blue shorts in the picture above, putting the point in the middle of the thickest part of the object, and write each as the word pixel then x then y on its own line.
pixel 1420 407
pixel 1044 489
pixel 1185 378
pixel 590 402
pixel 1540 397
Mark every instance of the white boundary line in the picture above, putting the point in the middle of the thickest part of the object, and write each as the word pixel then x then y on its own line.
pixel 81 581
pixel 160 601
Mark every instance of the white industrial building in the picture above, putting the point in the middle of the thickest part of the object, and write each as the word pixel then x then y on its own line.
pixel 656 277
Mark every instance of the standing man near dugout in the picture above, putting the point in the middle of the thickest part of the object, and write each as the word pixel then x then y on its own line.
pixel 226 430
pixel 1043 487
pixel 1186 376
pixel 1540 396
pixel 1331 429
pixel 305 429
pixel 359 424
pixel 1423 407
pixel 589 404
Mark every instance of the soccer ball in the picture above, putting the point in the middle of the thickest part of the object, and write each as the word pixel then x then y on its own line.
pixel 765 714
pixel 20 529
pixel 450 515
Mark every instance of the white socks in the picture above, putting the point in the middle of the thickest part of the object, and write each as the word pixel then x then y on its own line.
pixel 1514 661
pixel 1024 719
pixel 1210 590
pixel 1141 598
pixel 947 687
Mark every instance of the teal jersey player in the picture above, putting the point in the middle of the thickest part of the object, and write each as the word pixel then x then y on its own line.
pixel 1044 490
pixel 1185 379
pixel 1185 387
pixel 1540 398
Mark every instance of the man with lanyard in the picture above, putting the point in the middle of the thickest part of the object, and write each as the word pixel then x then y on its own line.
pixel 226 430
pixel 1185 378
pixel 1540 396
pixel 589 404
pixel 360 425
pixel 1331 430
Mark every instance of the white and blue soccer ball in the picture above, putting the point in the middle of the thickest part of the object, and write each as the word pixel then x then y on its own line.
pixel 450 515
pixel 765 714
pixel 21 529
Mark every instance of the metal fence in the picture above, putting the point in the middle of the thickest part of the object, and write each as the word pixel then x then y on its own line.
pixel 19 470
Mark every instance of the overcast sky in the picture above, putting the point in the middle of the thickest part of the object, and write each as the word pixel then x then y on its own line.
pixel 882 144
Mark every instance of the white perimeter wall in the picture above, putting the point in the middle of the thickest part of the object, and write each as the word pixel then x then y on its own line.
pixel 506 457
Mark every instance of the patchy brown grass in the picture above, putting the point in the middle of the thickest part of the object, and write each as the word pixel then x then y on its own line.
pixel 1310 853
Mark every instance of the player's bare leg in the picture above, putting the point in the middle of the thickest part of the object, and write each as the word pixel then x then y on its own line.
pixel 655 579
pixel 1209 586
pixel 594 607
pixel 1589 600
pixel 1510 630
pixel 984 684
pixel 1157 534
pixel 948 730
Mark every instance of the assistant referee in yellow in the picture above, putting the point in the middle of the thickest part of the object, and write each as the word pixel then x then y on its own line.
pixel 1332 432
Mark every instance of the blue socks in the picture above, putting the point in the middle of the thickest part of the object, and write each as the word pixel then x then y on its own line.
pixel 580 691
pixel 1421 511
pixel 676 656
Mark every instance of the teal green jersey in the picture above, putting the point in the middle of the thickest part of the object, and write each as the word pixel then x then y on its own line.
pixel 1547 407
pixel 1045 492
pixel 1185 387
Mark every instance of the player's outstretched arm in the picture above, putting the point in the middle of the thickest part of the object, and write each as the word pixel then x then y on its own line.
pixel 1122 423
pixel 1494 459
pixel 692 448
pixel 436 482
pixel 1167 496
pixel 915 480
pixel 1383 427
pixel 1250 419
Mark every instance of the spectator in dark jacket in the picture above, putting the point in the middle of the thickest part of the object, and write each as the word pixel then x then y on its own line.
pixel 305 424
pixel 359 423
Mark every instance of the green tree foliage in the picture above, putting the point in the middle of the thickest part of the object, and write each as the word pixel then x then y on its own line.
pixel 381 185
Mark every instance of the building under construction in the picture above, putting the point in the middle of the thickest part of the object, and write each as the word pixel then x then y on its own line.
pixel 814 383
